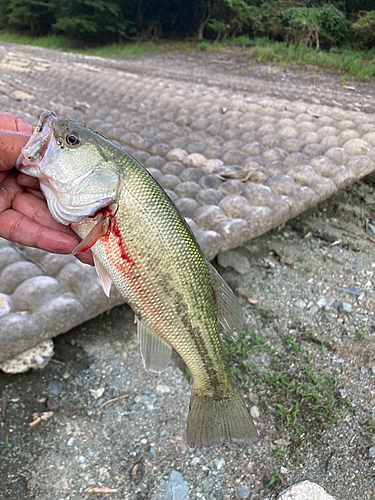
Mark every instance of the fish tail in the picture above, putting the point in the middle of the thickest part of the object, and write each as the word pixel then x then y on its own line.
pixel 214 420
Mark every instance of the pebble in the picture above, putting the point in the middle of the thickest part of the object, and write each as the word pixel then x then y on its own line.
pixel 243 491
pixel 208 483
pixel 195 461
pixel 97 393
pixel 82 459
pixel 343 393
pixel 354 290
pixel 174 489
pixel 235 260
pixel 254 412
pixel 345 307
pixel 142 399
pixel 70 441
pixel 306 490
pixel 371 451
pixel 219 463
pixel 55 387
pixel 321 302
pixel 301 304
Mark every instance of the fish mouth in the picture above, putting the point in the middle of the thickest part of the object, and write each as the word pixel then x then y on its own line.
pixel 40 144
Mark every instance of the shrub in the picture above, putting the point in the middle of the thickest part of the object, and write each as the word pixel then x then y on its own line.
pixel 364 29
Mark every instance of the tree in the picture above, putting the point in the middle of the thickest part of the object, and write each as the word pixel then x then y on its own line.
pixel 364 29
pixel 90 20
pixel 34 16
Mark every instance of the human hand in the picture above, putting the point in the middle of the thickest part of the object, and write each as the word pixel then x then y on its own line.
pixel 24 215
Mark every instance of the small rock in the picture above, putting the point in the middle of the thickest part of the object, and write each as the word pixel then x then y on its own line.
pixel 142 399
pixel 175 489
pixel 55 387
pixel 219 495
pixel 82 459
pixel 306 490
pixel 36 358
pixel 235 260
pixel 371 451
pixel 243 491
pixel 219 463
pixel 301 304
pixel 162 389
pixel 195 461
pixel 314 309
pixel 343 392
pixel 208 483
pixel 321 302
pixel 97 393
pixel 345 307
pixel 70 441
pixel 65 375
pixel 254 412
pixel 250 466
pixel 354 290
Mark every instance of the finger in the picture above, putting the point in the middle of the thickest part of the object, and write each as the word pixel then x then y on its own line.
pixel 16 227
pixel 36 209
pixel 11 144
pixel 37 194
pixel 27 181
pixel 12 122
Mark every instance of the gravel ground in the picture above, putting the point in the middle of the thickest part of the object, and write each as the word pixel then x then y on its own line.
pixel 305 363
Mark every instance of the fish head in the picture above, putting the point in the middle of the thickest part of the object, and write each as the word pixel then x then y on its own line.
pixel 75 167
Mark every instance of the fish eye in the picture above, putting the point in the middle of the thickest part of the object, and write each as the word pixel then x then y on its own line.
pixel 73 139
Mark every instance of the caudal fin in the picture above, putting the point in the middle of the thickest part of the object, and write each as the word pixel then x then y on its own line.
pixel 213 421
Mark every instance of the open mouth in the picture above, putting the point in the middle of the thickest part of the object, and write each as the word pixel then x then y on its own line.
pixel 33 153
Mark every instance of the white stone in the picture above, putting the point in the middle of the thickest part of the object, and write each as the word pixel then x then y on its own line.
pixel 36 358
pixel 306 490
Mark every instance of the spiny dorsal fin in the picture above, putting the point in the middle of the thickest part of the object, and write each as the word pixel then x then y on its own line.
pixel 104 277
pixel 155 352
pixel 229 311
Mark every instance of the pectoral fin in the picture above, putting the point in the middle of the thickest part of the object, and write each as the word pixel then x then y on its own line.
pixel 99 230
pixel 229 312
pixel 104 277
pixel 155 352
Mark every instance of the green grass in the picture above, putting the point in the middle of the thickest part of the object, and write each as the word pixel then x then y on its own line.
pixel 290 384
pixel 360 64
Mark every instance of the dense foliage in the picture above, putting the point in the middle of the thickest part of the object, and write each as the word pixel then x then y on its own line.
pixel 317 23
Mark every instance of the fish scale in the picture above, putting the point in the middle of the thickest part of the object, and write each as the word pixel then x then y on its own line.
pixel 143 245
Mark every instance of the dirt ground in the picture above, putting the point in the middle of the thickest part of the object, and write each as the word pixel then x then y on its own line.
pixel 305 364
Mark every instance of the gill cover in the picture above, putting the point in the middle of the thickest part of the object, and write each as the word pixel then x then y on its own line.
pixel 77 177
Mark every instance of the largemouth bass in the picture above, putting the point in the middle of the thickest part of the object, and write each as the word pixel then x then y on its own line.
pixel 142 244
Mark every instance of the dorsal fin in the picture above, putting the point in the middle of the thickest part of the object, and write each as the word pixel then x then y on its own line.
pixel 229 312
pixel 155 352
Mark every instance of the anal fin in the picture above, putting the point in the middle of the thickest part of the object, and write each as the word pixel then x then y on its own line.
pixel 155 352
pixel 104 277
